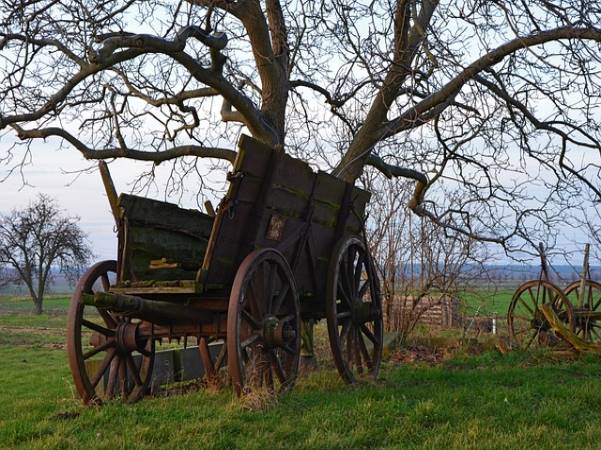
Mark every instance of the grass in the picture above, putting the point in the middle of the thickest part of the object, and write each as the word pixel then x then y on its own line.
pixel 489 401
pixel 486 302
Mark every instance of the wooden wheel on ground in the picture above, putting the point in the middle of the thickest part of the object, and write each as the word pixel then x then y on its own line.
pixel 527 325
pixel 587 317
pixel 109 355
pixel 354 312
pixel 263 325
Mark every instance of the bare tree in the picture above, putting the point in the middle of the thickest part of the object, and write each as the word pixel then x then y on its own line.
pixel 37 241
pixel 422 265
pixel 498 99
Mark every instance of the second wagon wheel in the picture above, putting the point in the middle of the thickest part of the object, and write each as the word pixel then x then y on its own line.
pixel 587 316
pixel 527 324
pixel 263 325
pixel 109 355
pixel 354 312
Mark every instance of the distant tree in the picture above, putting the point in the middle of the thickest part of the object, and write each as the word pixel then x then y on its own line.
pixel 36 241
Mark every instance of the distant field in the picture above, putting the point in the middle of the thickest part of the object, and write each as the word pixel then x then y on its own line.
pixel 53 304
pixel 487 302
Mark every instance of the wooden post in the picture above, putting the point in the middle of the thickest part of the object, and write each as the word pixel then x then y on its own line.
pixel 543 262
pixel 111 193
pixel 583 276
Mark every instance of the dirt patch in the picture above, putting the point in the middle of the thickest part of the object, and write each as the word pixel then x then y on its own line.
pixel 417 354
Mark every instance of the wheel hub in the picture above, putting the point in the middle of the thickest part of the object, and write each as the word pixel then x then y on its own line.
pixel 361 311
pixel 127 336
pixel 276 332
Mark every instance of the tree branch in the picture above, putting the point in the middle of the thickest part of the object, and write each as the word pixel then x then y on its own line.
pixel 128 153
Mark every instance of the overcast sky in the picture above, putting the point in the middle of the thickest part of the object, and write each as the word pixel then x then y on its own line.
pixel 82 194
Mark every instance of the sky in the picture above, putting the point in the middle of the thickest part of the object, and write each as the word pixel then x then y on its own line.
pixel 79 194
pixel 82 194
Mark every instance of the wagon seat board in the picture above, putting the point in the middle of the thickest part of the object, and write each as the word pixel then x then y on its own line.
pixel 275 200
pixel 161 246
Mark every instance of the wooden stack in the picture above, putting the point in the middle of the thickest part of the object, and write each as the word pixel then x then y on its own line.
pixel 442 311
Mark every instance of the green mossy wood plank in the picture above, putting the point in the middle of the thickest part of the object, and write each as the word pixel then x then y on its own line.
pixel 158 230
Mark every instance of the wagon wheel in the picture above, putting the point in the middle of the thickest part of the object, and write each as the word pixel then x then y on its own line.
pixel 212 365
pixel 101 345
pixel 586 323
pixel 354 312
pixel 263 325
pixel 527 324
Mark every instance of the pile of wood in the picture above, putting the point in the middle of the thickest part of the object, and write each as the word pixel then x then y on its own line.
pixel 441 311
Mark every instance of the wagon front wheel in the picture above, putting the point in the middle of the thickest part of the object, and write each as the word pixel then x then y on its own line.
pixel 354 312
pixel 263 325
pixel 109 355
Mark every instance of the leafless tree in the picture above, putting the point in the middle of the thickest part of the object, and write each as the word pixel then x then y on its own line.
pixel 499 99
pixel 422 265
pixel 37 241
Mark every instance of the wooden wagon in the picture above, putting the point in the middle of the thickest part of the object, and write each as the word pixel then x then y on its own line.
pixel 286 244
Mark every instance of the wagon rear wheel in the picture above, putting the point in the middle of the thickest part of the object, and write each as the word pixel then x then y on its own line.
pixel 354 312
pixel 527 325
pixel 586 323
pixel 109 355
pixel 263 325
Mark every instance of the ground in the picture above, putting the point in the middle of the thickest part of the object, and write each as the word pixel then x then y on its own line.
pixel 456 401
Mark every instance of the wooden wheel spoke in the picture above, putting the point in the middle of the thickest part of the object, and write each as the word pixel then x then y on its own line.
pixel 278 368
pixel 344 332
pixel 280 299
pixel 135 372
pixel 98 328
pixel 533 297
pixel 123 379
pixel 287 318
pixel 249 341
pixel 364 351
pixel 254 301
pixel 269 285
pixel 526 305
pixel 536 331
pixel 358 272
pixel 104 279
pixel 254 323
pixel 363 289
pixel 527 319
pixel 344 295
pixel 288 349
pixel 349 347
pixel 110 354
pixel 100 348
pixel 113 376
pixel 343 315
pixel 108 319
pixel 145 352
pixel 357 351
pixel 366 331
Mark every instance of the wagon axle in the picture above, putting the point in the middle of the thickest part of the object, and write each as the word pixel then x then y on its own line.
pixel 277 332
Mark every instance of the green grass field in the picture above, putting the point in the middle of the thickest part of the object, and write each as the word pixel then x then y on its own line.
pixel 488 401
